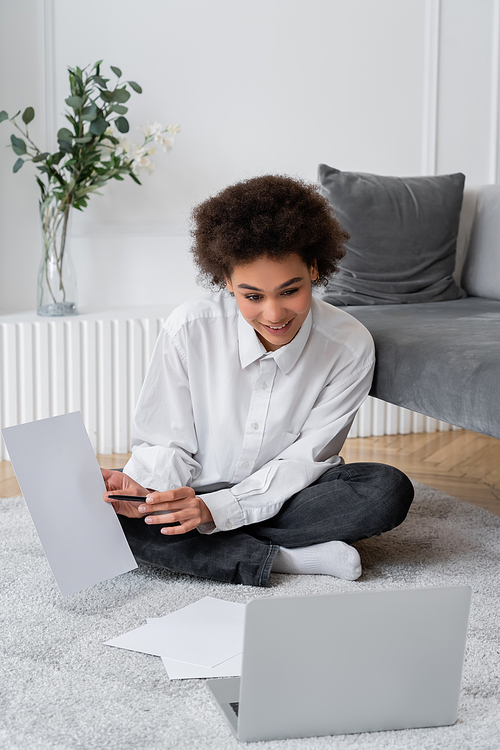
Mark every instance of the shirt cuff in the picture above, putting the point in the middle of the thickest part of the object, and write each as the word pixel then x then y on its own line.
pixel 139 474
pixel 226 512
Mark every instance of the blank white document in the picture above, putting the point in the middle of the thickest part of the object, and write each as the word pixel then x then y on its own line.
pixel 203 639
pixel 62 484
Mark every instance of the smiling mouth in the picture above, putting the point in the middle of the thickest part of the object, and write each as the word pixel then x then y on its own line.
pixel 278 329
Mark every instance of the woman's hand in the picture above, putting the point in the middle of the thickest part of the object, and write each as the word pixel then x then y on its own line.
pixel 117 481
pixel 181 505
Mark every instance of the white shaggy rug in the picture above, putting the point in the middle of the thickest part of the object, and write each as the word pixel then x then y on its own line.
pixel 62 688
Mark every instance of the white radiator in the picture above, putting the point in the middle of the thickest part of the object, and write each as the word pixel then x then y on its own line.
pixel 92 363
pixel 95 363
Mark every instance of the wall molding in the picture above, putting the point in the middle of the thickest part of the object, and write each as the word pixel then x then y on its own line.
pixel 431 86
pixel 493 176
pixel 48 44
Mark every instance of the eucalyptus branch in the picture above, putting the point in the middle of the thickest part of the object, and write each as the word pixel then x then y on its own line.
pixel 33 145
pixel 91 150
pixel 26 135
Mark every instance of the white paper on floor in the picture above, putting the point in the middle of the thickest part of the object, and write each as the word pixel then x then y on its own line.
pixel 181 670
pixel 204 639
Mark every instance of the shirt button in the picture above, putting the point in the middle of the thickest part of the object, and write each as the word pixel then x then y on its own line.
pixel 245 464
pixel 229 525
pixel 255 425
pixel 264 386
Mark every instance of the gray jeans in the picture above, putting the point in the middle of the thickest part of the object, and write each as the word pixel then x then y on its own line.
pixel 348 503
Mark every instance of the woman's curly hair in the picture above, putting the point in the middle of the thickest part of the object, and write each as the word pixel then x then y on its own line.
pixel 272 215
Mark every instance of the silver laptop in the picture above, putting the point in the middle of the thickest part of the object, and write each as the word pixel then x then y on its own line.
pixel 340 663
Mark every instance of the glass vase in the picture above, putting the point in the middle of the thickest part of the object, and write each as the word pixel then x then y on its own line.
pixel 56 276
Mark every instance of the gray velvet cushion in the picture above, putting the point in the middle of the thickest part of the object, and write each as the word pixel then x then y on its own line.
pixel 439 359
pixel 403 237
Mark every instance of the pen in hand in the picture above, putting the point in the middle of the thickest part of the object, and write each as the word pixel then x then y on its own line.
pixel 133 498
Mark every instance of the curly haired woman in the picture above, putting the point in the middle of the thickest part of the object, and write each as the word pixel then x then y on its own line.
pixel 247 402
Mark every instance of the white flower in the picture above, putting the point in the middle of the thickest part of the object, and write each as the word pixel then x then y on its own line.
pixel 139 155
pixel 136 151
pixel 167 143
pixel 140 160
pixel 153 131
pixel 124 147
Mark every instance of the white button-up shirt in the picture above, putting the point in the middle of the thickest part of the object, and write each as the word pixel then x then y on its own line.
pixel 216 407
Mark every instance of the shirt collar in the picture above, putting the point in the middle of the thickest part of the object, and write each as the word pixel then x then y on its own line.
pixel 251 349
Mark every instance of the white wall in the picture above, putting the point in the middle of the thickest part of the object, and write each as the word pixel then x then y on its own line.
pixel 258 86
pixel 21 85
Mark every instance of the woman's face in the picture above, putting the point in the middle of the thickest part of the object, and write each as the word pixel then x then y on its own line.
pixel 274 296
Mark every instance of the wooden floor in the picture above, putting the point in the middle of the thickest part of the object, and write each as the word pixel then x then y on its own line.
pixel 461 463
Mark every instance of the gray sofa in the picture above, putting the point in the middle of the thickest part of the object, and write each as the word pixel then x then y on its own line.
pixel 442 358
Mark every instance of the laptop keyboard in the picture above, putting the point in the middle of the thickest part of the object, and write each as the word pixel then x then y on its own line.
pixel 235 706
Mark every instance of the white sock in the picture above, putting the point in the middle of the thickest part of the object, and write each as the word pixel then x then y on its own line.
pixel 330 558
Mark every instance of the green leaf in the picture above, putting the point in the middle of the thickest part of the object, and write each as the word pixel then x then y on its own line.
pixel 75 102
pixel 99 126
pixel 17 166
pixel 97 65
pixel 56 158
pixel 122 124
pixel 65 146
pixel 3 115
pixel 40 157
pixel 18 146
pixel 107 96
pixel 89 113
pixel 118 177
pixel 121 95
pixel 28 115
pixel 119 109
pixel 65 135
pixel 101 81
pixel 40 185
pixel 84 139
pixel 135 86
pixel 135 179
pixel 116 71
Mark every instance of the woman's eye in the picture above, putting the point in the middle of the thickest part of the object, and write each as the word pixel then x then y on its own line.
pixel 252 297
pixel 288 292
